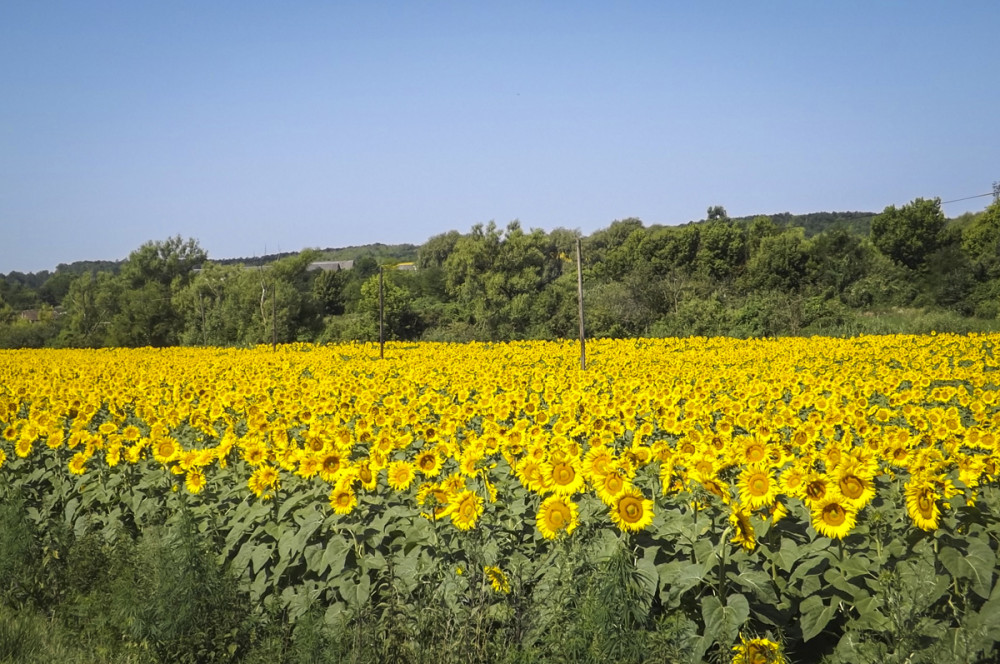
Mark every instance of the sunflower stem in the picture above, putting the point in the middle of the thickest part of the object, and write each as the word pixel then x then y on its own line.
pixel 722 556
pixel 694 549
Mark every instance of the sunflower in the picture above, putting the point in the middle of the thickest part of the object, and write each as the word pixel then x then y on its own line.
pixel 921 504
pixel 498 580
pixel 817 486
pixel 3 458
pixel 367 475
pixel 55 439
pixel 194 481
pixel 855 484
pixel 343 499
pixel 113 454
pixel 133 453
pixel 309 467
pixel 165 450
pixel 437 498
pixel 792 482
pixel 255 453
pixel 468 462
pixel 23 447
pixel 400 475
pixel 467 507
pixel 77 465
pixel 743 532
pixel 330 466
pixel 566 478
pixel 833 516
pixel 632 512
pixel 429 463
pixel 757 651
pixel 557 514
pixel 535 475
pixel 757 487
pixel 610 487
pixel 597 461
pixel 754 450
pixel 264 481
pixel 713 485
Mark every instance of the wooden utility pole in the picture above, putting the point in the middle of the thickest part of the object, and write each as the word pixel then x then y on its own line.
pixel 381 316
pixel 274 317
pixel 579 293
pixel 204 320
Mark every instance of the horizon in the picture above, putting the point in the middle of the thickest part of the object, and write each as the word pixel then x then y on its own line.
pixel 292 252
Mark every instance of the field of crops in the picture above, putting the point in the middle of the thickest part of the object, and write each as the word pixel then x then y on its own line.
pixel 698 499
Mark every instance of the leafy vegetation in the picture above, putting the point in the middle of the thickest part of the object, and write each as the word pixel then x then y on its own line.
pixel 837 274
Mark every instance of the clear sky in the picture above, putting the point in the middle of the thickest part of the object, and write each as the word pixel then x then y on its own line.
pixel 260 127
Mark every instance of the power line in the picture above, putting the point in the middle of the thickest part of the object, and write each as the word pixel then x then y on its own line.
pixel 967 198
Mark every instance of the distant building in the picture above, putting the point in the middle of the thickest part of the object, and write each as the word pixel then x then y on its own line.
pixel 331 266
pixel 39 315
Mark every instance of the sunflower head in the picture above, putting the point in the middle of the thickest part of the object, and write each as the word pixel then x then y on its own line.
pixel 921 505
pixel 834 516
pixel 194 481
pixel 611 486
pixel 566 478
pixel 343 499
pixel 400 475
pixel 757 486
pixel 632 512
pixel 742 528
pixel 557 514
pixel 757 651
pixel 498 580
pixel 466 508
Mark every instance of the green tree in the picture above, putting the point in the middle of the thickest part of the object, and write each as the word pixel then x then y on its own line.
pixel 721 250
pixel 434 252
pixel 760 227
pixel 836 260
pixel 91 304
pixel 909 234
pixel 779 262
pixel 981 242
pixel 717 212
pixel 328 291
pixel 606 251
pixel 398 319
pixel 152 274
pixel 7 313
pixel 238 305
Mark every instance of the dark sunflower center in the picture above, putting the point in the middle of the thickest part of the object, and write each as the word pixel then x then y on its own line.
pixel 630 509
pixel 558 517
pixel 852 487
pixel 834 514
pixel 759 485
pixel 563 474
pixel 816 490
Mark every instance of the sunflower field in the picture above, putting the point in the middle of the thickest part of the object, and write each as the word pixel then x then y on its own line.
pixel 699 499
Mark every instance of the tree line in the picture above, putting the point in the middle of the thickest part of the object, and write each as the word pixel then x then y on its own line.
pixel 906 269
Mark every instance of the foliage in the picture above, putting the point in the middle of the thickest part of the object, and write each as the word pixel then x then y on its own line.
pixel 909 234
pixel 717 276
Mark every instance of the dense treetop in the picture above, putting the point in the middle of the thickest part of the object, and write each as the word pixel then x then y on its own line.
pixel 906 269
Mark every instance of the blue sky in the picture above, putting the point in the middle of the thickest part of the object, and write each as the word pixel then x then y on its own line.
pixel 261 127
